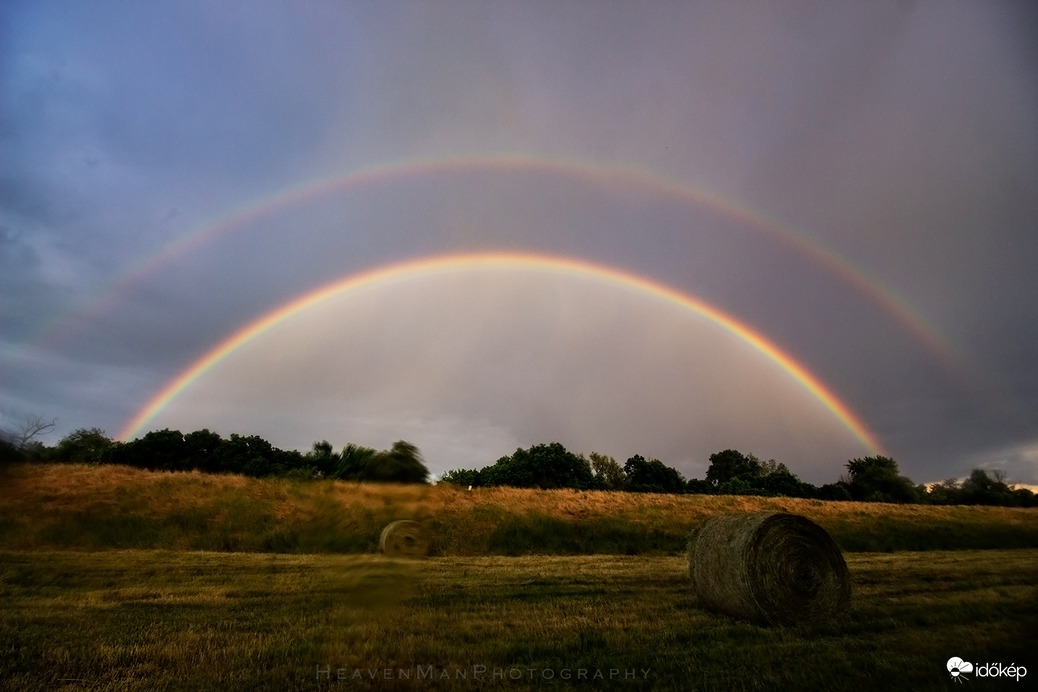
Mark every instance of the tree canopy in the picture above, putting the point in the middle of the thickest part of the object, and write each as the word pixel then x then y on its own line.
pixel 652 476
pixel 878 479
pixel 541 466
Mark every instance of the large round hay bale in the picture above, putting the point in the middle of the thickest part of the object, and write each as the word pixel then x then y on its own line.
pixel 404 538
pixel 770 568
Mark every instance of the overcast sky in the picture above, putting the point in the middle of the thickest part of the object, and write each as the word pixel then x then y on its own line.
pixel 856 184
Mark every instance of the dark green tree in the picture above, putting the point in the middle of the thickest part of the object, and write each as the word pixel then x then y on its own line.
pixel 291 461
pixel 946 492
pixel 84 446
pixel 775 479
pixel 737 486
pixel 699 486
pixel 733 473
pixel 837 491
pixel 981 488
pixel 652 476
pixel 462 478
pixel 541 466
pixel 250 455
pixel 203 450
pixel 877 479
pixel 402 463
pixel 158 450
pixel 1024 497
pixel 608 475
pixel 730 464
pixel 322 459
pixel 512 470
pixel 353 460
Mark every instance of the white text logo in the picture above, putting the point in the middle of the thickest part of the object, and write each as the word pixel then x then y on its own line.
pixel 958 668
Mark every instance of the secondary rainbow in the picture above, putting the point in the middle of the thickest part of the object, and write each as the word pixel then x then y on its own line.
pixel 605 173
pixel 452 263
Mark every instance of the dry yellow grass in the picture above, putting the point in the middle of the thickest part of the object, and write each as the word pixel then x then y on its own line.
pixel 53 487
pixel 116 506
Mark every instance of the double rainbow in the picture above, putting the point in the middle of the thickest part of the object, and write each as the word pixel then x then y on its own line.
pixel 597 173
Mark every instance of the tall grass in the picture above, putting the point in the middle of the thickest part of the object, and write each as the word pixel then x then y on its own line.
pixel 101 507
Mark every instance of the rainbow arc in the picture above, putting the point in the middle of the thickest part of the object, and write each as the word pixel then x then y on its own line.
pixel 446 264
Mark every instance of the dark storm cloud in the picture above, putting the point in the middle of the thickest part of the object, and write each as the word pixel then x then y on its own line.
pixel 19 267
pixel 898 137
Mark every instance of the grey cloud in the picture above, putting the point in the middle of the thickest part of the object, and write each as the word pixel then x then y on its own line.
pixel 899 137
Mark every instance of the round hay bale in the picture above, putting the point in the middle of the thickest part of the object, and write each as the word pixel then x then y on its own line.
pixel 404 538
pixel 769 568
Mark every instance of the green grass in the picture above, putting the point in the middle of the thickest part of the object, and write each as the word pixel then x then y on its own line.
pixel 190 620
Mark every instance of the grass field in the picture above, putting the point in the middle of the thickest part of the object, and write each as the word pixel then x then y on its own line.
pixel 100 507
pixel 180 620
pixel 118 579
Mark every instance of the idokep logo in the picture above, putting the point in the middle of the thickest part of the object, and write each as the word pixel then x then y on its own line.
pixel 958 669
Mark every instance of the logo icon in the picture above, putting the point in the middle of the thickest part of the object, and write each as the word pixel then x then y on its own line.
pixel 957 667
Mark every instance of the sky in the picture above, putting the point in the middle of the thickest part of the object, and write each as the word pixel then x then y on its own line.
pixel 803 230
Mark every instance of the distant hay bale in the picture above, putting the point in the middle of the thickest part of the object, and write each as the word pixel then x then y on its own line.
pixel 769 568
pixel 404 538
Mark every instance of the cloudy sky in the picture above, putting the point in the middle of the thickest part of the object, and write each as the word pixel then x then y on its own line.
pixel 802 230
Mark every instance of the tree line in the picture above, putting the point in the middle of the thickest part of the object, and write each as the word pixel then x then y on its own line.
pixel 546 466
pixel 869 479
pixel 207 451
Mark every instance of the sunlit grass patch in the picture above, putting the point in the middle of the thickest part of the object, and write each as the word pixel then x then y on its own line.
pixel 103 507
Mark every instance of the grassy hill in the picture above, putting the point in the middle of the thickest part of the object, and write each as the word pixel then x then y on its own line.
pixel 100 507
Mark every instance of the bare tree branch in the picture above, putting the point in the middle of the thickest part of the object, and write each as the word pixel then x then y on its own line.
pixel 33 427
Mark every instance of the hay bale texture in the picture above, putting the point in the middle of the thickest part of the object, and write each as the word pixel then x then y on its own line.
pixel 769 568
pixel 404 538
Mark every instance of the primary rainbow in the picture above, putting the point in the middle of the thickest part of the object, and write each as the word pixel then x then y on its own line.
pixel 456 262
pixel 604 173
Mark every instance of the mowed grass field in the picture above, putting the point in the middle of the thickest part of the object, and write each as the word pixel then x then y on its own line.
pixel 114 579
pixel 188 620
